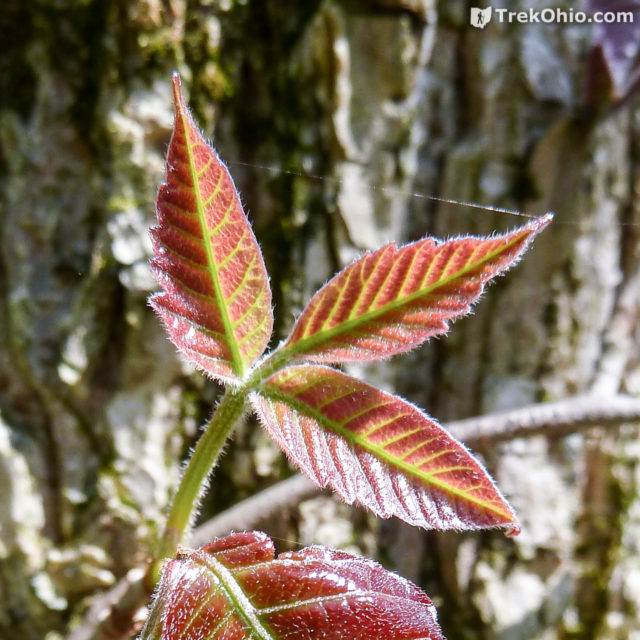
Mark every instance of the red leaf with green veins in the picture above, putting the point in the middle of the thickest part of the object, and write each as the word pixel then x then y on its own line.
pixel 216 303
pixel 393 299
pixel 235 589
pixel 377 449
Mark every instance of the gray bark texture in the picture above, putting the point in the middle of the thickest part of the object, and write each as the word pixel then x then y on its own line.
pixel 336 118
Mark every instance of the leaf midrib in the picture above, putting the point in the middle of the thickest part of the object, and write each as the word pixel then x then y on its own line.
pixel 308 343
pixel 239 601
pixel 237 362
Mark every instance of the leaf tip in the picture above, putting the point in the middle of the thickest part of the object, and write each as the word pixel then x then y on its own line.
pixel 544 221
pixel 537 224
pixel 176 84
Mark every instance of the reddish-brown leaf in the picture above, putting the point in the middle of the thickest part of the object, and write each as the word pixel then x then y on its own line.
pixel 393 299
pixel 377 449
pixel 216 303
pixel 235 589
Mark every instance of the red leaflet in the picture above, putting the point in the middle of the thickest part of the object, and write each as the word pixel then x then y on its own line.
pixel 234 589
pixel 378 449
pixel 390 301
pixel 216 303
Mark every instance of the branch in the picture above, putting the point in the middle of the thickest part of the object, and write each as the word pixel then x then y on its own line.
pixel 552 419
pixel 112 614
pixel 259 507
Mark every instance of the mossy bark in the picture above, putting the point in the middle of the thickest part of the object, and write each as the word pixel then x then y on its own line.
pixel 336 118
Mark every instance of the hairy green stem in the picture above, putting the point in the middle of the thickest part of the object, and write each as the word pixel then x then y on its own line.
pixel 227 413
pixel 230 409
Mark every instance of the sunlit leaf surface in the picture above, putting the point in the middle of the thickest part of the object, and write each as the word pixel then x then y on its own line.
pixel 377 449
pixel 234 589
pixel 393 299
pixel 216 303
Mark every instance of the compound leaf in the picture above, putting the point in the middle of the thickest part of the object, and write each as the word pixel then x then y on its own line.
pixel 378 449
pixel 235 589
pixel 389 301
pixel 216 303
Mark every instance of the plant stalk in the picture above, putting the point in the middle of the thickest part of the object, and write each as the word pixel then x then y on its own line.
pixel 204 457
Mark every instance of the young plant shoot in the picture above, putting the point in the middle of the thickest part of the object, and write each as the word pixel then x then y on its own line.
pixel 369 446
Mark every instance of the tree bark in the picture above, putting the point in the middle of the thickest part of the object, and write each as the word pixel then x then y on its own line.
pixel 338 119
